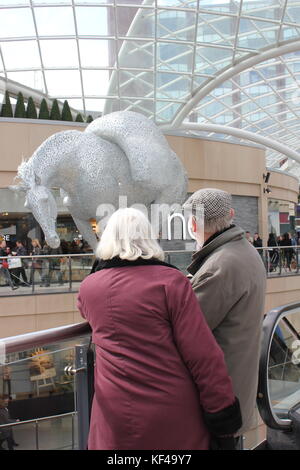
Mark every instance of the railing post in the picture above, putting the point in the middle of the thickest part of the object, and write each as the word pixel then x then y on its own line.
pixel 280 261
pixel 32 275
pixel 37 445
pixel 70 272
pixel 82 395
pixel 73 434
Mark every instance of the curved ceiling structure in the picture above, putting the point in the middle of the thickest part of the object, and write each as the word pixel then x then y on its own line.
pixel 232 63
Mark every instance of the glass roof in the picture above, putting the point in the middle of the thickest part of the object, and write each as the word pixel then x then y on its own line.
pixel 229 62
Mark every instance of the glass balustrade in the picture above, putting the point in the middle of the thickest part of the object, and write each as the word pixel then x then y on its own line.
pixel 64 273
pixel 38 387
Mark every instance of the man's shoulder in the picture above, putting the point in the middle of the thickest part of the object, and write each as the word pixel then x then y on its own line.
pixel 232 257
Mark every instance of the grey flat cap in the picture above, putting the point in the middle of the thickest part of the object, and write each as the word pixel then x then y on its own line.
pixel 216 203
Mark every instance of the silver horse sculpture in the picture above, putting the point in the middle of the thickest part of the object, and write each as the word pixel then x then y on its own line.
pixel 120 154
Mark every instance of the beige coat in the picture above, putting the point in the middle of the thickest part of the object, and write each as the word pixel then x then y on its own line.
pixel 229 280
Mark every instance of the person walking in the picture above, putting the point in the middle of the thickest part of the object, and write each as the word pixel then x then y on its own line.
pixel 4 266
pixel 160 377
pixel 248 237
pixel 51 265
pixel 257 241
pixel 229 280
pixel 6 433
pixel 21 251
pixel 273 253
pixel 36 264
pixel 287 252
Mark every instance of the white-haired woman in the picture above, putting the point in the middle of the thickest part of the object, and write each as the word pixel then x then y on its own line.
pixel 160 377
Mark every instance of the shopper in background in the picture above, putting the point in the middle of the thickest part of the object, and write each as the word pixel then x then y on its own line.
pixel 287 253
pixel 248 237
pixel 273 254
pixel 258 243
pixel 51 265
pixel 6 434
pixel 21 251
pixel 229 280
pixel 293 238
pixel 160 377
pixel 36 264
pixel 4 271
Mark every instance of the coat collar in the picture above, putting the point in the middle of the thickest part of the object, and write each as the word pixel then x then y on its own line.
pixel 117 262
pixel 233 233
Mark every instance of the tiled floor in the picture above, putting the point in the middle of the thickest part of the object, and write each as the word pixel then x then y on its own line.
pixel 27 290
pixel 55 434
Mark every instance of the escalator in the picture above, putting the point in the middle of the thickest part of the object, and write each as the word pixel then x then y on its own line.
pixel 278 396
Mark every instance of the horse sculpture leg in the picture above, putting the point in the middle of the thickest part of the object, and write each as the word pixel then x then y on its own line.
pixel 87 232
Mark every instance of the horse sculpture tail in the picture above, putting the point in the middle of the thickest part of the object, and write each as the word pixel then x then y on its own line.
pixel 146 148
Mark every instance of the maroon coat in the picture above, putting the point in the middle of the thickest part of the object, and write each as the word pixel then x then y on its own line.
pixel 158 366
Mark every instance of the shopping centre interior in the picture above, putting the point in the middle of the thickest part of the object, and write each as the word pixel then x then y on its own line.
pixel 221 79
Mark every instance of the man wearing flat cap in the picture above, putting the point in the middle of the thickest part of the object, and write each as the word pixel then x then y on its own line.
pixel 229 280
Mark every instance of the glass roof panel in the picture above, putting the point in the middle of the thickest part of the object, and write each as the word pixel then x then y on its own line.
pixel 165 110
pixel 269 9
pixel 95 82
pixel 173 86
pixel 223 6
pixel 138 84
pixel 139 54
pixel 59 53
pixel 255 34
pixel 95 21
pixel 174 57
pixel 16 22
pixel 176 25
pixel 63 83
pixel 10 3
pixel 94 105
pixel 133 22
pixel 93 2
pixel 20 55
pixel 177 3
pixel 55 21
pixel 217 29
pixel 172 60
pixel 74 103
pixel 32 79
pixel 95 52
pixel 50 2
pixel 292 13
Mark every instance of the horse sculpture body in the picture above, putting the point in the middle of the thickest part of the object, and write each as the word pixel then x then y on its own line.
pixel 122 154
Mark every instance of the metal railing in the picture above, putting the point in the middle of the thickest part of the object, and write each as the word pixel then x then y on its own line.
pixel 67 269
pixel 69 347
pixel 280 260
pixel 82 369
pixel 65 272
pixel 37 422
pixel 37 339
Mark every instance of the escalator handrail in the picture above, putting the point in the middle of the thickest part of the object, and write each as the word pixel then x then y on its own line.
pixel 270 323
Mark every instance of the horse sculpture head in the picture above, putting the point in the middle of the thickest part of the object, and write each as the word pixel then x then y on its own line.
pixel 41 202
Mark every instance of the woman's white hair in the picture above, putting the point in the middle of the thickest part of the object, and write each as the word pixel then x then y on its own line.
pixel 129 235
